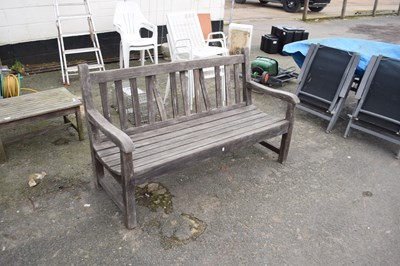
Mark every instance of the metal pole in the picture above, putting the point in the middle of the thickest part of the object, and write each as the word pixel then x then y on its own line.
pixel 231 14
pixel 398 11
pixel 305 10
pixel 343 9
pixel 375 6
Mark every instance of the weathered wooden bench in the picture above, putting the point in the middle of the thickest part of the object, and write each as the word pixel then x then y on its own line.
pixel 25 109
pixel 176 135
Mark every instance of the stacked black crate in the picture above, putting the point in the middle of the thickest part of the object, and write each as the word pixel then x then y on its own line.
pixel 280 35
pixel 269 43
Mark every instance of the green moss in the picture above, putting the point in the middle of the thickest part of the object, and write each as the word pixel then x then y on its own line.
pixel 154 196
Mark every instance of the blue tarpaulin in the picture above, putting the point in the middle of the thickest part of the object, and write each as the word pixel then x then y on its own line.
pixel 366 49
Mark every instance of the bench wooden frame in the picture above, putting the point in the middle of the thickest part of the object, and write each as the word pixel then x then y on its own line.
pixel 29 108
pixel 185 135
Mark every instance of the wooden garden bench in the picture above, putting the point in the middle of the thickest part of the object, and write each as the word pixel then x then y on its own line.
pixel 29 108
pixel 176 134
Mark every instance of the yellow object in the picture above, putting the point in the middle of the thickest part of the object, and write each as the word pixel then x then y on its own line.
pixel 11 86
pixel 28 89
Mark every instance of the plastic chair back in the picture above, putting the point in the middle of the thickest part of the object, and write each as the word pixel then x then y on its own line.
pixel 185 27
pixel 128 19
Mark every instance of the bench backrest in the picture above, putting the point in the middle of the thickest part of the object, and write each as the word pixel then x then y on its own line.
pixel 137 91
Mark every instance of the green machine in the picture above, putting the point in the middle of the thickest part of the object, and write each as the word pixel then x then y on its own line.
pixel 266 71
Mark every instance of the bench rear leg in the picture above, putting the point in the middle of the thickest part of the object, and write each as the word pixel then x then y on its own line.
pixel 285 144
pixel 286 138
pixel 284 148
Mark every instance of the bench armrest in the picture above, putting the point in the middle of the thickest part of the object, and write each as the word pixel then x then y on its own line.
pixel 120 138
pixel 283 95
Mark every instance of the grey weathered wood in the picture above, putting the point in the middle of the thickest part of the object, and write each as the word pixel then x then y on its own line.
pixel 174 95
pixel 185 96
pixel 128 190
pixel 150 99
pixel 218 87
pixel 105 101
pixel 135 102
pixel 236 79
pixel 3 156
pixel 206 97
pixel 149 150
pixel 30 108
pixel 159 101
pixel 227 81
pixel 123 119
pixel 246 78
pixel 155 70
pixel 197 90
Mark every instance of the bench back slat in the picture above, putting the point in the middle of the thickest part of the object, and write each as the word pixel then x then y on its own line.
pixel 218 87
pixel 227 74
pixel 207 102
pixel 135 103
pixel 137 92
pixel 150 99
pixel 245 78
pixel 197 90
pixel 174 95
pixel 123 119
pixel 185 94
pixel 236 71
pixel 158 99
pixel 104 100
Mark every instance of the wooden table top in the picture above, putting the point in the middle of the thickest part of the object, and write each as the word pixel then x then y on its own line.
pixel 34 104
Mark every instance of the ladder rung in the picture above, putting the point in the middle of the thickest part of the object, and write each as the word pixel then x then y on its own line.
pixel 91 66
pixel 75 16
pixel 63 35
pixel 82 50
pixel 72 4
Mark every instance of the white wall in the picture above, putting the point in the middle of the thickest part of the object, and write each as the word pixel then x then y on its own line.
pixel 32 20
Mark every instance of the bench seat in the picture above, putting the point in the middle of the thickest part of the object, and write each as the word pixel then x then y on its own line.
pixel 187 140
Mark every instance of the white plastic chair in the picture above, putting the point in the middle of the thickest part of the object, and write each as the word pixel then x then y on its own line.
pixel 186 42
pixel 128 21
pixel 184 28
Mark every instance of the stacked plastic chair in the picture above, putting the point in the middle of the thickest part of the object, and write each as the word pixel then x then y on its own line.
pixel 129 22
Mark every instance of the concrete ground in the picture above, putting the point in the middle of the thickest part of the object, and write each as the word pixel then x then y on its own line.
pixel 335 201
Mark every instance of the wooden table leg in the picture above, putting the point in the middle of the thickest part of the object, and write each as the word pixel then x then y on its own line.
pixel 3 156
pixel 79 123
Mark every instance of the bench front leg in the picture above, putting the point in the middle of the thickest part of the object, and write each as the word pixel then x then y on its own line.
pixel 128 190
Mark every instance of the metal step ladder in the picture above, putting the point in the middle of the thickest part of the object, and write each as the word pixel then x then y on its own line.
pixel 74 18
